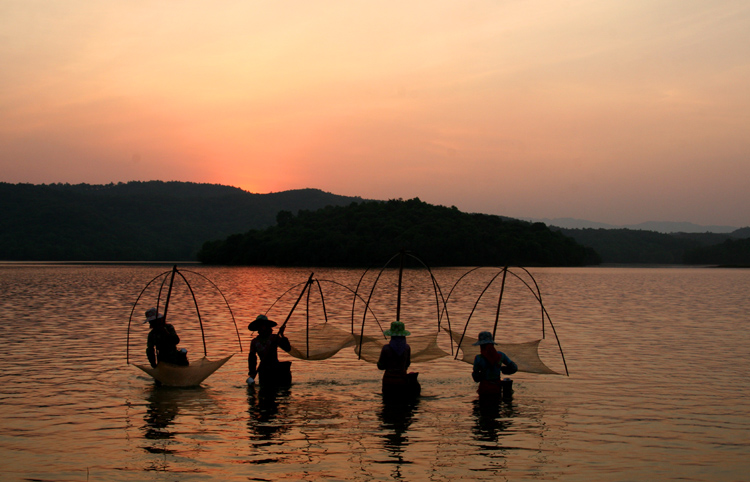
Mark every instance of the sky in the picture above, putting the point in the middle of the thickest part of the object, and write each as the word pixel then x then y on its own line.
pixel 615 111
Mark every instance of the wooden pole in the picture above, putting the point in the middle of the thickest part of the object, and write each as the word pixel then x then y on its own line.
pixel 499 301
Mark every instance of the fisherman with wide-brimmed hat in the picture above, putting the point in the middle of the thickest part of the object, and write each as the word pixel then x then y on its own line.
pixel 270 371
pixel 395 358
pixel 488 367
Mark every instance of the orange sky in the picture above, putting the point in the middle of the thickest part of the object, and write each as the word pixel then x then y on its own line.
pixel 607 110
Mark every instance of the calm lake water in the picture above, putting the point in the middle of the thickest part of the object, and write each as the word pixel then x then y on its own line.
pixel 658 386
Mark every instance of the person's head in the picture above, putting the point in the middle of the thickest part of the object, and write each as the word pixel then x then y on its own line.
pixel 262 325
pixel 154 318
pixel 485 338
pixel 487 346
pixel 397 329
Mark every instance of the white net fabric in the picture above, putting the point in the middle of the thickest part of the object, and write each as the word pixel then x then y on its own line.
pixel 324 341
pixel 423 348
pixel 525 355
pixel 184 376
pixel 320 342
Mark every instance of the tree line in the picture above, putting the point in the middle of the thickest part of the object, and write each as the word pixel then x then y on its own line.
pixel 171 221
pixel 630 246
pixel 366 232
pixel 135 221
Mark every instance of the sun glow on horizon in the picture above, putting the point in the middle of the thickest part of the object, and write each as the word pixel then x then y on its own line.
pixel 612 111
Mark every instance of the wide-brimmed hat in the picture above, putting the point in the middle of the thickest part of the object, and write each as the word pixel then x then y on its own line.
pixel 153 315
pixel 397 329
pixel 260 322
pixel 485 338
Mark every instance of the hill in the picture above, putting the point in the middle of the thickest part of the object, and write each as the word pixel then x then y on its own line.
pixel 362 233
pixel 135 221
pixel 170 221
pixel 630 246
pixel 732 252
pixel 658 226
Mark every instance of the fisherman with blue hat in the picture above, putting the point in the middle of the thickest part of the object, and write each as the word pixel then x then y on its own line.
pixel 488 367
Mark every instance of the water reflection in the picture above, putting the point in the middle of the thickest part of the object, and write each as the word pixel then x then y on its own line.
pixel 492 417
pixel 334 426
pixel 264 406
pixel 396 415
pixel 161 411
pixel 164 404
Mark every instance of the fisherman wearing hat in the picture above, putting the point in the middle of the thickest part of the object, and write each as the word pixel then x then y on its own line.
pixel 395 358
pixel 271 372
pixel 489 365
pixel 161 345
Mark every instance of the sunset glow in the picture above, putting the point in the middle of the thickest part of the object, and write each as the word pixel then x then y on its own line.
pixel 611 111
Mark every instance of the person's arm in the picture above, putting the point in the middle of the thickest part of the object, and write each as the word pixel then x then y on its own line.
pixel 383 360
pixel 283 342
pixel 476 373
pixel 407 354
pixel 509 366
pixel 252 361
pixel 172 333
pixel 151 350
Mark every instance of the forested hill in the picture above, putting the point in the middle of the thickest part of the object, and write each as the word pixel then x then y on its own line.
pixel 635 246
pixel 135 221
pixel 170 221
pixel 367 233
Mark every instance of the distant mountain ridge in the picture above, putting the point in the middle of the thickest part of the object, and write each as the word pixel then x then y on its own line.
pixel 657 226
pixel 136 221
pixel 170 221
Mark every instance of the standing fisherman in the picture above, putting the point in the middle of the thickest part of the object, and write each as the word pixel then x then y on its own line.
pixel 395 358
pixel 271 372
pixel 488 366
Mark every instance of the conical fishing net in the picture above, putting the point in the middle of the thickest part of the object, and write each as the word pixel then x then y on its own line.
pixel 326 341
pixel 325 323
pixel 428 340
pixel 525 355
pixel 424 348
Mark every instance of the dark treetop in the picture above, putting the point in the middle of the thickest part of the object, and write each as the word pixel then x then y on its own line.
pixel 135 221
pixel 370 232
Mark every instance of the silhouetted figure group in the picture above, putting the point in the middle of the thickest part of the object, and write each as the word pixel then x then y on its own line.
pixel 395 358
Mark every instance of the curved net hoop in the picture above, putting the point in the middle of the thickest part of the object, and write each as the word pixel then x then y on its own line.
pixel 170 288
pixel 319 339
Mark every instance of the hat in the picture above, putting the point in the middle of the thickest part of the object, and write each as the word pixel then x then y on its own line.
pixel 485 338
pixel 397 329
pixel 260 322
pixel 153 315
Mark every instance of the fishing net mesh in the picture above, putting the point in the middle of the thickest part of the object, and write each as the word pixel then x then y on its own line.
pixel 324 341
pixel 320 340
